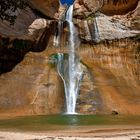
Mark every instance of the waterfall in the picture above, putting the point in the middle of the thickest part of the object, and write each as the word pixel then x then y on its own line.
pixel 75 72
pixel 69 67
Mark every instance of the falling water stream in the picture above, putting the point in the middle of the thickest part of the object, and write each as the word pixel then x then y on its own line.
pixel 75 71
pixel 69 67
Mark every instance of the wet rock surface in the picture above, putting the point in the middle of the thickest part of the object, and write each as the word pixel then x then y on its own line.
pixel 89 100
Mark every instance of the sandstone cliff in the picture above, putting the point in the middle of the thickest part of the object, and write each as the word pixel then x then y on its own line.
pixel 29 84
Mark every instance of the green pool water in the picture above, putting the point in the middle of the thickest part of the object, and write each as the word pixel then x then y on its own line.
pixel 58 122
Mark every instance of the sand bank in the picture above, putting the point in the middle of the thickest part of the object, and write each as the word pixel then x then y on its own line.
pixel 87 134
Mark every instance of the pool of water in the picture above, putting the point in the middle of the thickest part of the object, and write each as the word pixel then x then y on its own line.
pixel 66 122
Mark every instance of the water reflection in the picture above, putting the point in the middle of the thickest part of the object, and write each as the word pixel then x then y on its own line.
pixel 65 122
pixel 73 120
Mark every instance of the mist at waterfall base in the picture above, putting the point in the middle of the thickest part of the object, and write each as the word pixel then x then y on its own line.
pixel 68 66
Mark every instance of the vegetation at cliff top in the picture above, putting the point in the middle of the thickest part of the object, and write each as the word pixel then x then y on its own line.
pixel 9 9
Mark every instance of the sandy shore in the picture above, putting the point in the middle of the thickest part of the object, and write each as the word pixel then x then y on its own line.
pixel 118 133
